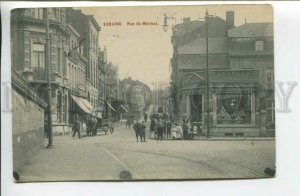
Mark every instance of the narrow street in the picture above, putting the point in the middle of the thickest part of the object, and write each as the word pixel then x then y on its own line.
pixel 104 157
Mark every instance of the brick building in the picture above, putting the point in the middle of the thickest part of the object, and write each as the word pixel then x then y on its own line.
pixel 27 121
pixel 240 67
pixel 77 73
pixel 28 39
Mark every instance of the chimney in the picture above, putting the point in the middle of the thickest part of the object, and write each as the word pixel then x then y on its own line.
pixel 186 19
pixel 229 19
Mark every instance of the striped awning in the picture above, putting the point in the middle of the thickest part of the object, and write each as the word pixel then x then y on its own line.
pixel 83 104
pixel 111 107
pixel 124 108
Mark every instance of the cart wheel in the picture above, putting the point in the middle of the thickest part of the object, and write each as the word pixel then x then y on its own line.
pixel 111 129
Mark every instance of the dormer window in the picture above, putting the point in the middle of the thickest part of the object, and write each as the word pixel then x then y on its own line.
pixel 259 45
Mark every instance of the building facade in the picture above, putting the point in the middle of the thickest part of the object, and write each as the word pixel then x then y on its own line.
pixel 28 39
pixel 222 76
pixel 89 50
pixel 112 92
pixel 76 76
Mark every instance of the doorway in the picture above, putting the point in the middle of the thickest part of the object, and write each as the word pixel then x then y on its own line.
pixel 196 107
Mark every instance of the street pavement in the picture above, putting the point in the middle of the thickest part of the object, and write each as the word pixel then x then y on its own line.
pixel 104 157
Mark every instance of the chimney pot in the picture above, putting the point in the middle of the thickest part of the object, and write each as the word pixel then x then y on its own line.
pixel 229 19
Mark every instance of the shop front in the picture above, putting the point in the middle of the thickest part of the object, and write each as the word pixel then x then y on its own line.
pixel 233 105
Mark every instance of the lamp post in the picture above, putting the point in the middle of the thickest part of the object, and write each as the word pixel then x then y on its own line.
pixel 165 28
pixel 207 74
pixel 174 92
pixel 49 89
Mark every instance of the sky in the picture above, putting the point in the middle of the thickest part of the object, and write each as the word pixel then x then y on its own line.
pixel 143 52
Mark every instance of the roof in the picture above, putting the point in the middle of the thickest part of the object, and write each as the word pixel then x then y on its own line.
pixel 216 45
pixel 186 27
pixel 95 23
pixel 252 30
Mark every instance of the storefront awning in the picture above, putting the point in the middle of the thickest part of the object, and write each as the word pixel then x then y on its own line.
pixel 111 107
pixel 87 104
pixel 83 104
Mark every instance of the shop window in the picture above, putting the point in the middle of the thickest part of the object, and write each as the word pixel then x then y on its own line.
pixel 234 108
pixel 259 45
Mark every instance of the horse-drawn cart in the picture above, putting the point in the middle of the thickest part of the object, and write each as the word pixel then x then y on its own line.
pixel 105 125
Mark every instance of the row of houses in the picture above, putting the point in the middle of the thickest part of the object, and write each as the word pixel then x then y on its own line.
pixel 83 83
pixel 234 66
pixel 79 69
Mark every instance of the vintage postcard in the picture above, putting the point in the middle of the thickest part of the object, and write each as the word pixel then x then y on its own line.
pixel 142 93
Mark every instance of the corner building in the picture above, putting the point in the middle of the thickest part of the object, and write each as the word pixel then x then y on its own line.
pixel 240 71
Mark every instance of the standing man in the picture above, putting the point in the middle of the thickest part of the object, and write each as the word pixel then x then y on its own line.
pixel 145 117
pixel 160 130
pixel 185 129
pixel 76 128
pixel 137 128
pixel 143 132
pixel 169 126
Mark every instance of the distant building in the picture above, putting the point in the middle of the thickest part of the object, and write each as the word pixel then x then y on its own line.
pixel 161 98
pixel 137 96
pixel 240 61
pixel 112 92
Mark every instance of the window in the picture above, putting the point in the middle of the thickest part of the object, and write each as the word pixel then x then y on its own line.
pixel 59 68
pixel 270 114
pixel 269 76
pixel 38 55
pixel 39 13
pixel 259 45
pixel 81 49
pixel 59 107
pixel 233 107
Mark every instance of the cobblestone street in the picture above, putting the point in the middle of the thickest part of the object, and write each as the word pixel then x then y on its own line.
pixel 103 157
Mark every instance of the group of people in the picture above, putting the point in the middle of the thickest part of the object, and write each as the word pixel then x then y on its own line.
pixel 162 127
pixel 86 124
pixel 191 129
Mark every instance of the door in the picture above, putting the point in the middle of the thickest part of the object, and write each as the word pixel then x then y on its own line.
pixel 196 107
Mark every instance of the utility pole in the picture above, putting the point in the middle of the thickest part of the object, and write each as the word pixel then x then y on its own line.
pixel 207 73
pixel 49 89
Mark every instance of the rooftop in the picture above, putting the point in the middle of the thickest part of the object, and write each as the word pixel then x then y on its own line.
pixel 216 45
pixel 252 30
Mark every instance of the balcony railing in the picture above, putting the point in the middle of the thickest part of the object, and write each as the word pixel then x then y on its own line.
pixel 35 74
